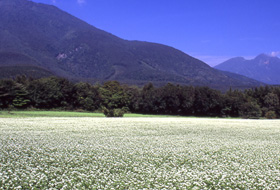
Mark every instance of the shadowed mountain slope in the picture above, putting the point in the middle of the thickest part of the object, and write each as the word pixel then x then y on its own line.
pixel 68 47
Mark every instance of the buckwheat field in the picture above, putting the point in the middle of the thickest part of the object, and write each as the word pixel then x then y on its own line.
pixel 139 153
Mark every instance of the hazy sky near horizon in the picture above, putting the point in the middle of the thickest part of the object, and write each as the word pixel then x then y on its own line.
pixel 210 30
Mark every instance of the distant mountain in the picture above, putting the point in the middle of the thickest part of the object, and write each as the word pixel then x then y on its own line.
pixel 53 41
pixel 263 68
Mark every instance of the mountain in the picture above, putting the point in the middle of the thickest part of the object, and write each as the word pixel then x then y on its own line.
pixel 263 68
pixel 14 64
pixel 54 42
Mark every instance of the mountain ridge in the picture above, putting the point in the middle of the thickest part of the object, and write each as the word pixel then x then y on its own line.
pixel 263 68
pixel 69 47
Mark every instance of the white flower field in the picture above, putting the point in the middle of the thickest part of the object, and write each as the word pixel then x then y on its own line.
pixel 139 153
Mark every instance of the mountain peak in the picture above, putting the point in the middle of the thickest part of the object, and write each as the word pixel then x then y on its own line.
pixel 265 59
pixel 238 59
pixel 262 56
pixel 264 68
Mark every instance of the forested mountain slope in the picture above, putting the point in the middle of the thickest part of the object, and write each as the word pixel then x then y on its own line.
pixel 53 40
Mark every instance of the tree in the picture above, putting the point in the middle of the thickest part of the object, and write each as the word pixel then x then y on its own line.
pixel 187 97
pixel 270 105
pixel 233 100
pixel 86 97
pixel 67 90
pixel 113 95
pixel 50 92
pixel 270 115
pixel 21 99
pixel 146 101
pixel 271 101
pixel 207 102
pixel 7 93
pixel 174 99
pixel 133 94
pixel 250 110
pixel 169 96
pixel 22 79
pixel 258 94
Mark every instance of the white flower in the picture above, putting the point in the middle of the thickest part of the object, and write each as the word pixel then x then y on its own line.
pixel 139 153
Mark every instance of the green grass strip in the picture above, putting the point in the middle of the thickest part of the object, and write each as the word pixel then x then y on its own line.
pixel 18 114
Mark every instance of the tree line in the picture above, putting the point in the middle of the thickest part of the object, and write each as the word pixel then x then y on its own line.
pixel 114 99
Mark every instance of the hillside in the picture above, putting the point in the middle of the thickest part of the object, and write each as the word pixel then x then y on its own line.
pixel 263 68
pixel 68 47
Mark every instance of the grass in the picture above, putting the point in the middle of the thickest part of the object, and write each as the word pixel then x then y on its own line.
pixel 139 153
pixel 17 114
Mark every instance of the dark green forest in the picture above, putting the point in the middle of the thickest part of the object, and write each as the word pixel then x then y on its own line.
pixel 114 99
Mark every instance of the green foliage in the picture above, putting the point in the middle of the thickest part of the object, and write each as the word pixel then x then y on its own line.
pixel 250 110
pixel 116 99
pixel 233 100
pixel 169 99
pixel 87 97
pixel 113 112
pixel 113 95
pixel 208 102
pixel 270 115
pixel 271 100
pixel 50 92
pixel 21 99
pixel 7 93
pixel 39 113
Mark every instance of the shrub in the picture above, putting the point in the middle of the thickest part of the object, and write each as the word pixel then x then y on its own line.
pixel 113 112
pixel 270 115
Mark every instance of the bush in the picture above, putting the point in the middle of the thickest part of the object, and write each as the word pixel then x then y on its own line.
pixel 270 115
pixel 113 112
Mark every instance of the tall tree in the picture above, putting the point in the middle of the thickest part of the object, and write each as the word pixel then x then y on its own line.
pixel 86 97
pixel 7 93
pixel 113 95
pixel 50 92
pixel 208 102
pixel 21 99
pixel 233 100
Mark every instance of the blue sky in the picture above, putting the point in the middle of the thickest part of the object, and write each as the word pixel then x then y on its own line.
pixel 210 30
